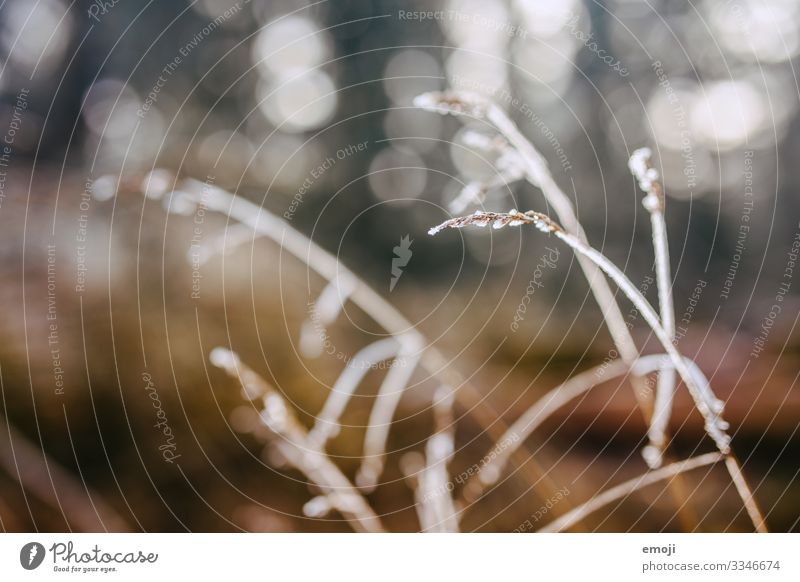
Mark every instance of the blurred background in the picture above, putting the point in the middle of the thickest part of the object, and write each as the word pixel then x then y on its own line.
pixel 306 110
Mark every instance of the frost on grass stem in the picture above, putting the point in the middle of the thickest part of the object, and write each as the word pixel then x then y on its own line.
pixel 715 426
pixel 707 405
pixel 188 194
pixel 642 169
pixel 508 167
pixel 536 172
pixel 453 103
pixel 499 220
pixel 647 176
pixel 290 438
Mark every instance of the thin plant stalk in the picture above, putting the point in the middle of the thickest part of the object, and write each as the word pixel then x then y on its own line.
pixel 326 423
pixel 708 406
pixel 291 440
pixel 538 174
pixel 264 223
pixel 654 202
pixel 380 418
pixel 434 492
pixel 622 490
pixel 543 223
pixel 533 417
pixel 536 171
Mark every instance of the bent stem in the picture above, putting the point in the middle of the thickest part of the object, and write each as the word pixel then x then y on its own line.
pixel 327 425
pixel 622 490
pixel 535 169
pixel 709 407
pixel 380 418
pixel 533 417
pixel 265 224
pixel 538 174
pixel 291 439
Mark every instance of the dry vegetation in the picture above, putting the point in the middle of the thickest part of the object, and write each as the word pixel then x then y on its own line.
pixel 440 500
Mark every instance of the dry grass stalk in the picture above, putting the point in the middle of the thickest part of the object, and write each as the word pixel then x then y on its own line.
pixel 708 406
pixel 533 417
pixel 538 174
pixel 706 403
pixel 647 176
pixel 380 418
pixel 412 465
pixel 434 493
pixel 326 424
pixel 291 439
pixel 520 152
pixel 622 490
pixel 191 193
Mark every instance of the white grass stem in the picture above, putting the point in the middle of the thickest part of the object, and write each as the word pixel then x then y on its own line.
pixel 622 490
pixel 538 174
pixel 745 493
pixel 702 402
pixel 654 202
pixel 666 383
pixel 533 417
pixel 291 440
pixel 270 226
pixel 434 481
pixel 326 425
pixel 386 402
pixel 708 406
